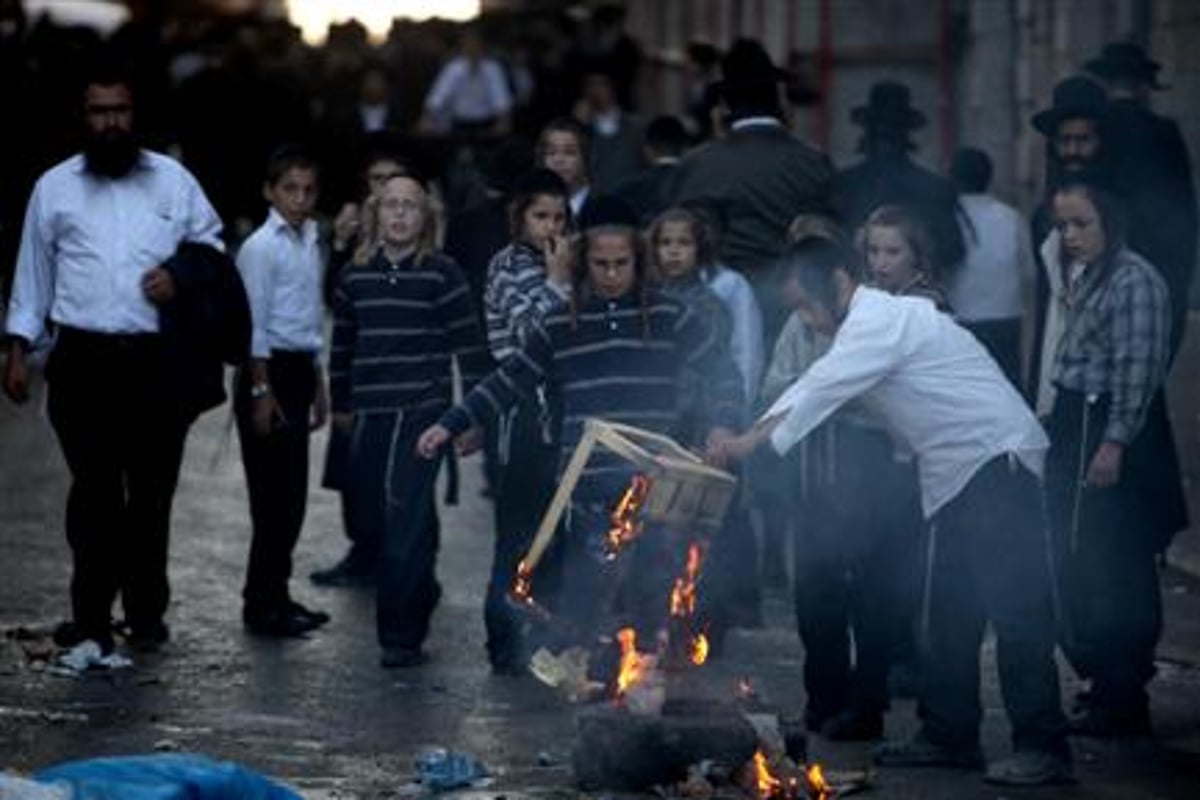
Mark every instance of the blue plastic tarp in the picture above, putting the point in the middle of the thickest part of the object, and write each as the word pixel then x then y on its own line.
pixel 166 776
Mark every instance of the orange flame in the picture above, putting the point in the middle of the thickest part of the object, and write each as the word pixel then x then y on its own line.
pixel 523 584
pixel 699 649
pixel 817 783
pixel 683 594
pixel 766 783
pixel 633 663
pixel 625 525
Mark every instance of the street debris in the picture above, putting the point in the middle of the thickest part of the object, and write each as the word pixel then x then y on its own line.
pixel 441 769
pixel 87 657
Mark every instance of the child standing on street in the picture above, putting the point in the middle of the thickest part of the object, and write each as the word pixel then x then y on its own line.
pixel 280 395
pixel 615 351
pixel 525 280
pixel 401 312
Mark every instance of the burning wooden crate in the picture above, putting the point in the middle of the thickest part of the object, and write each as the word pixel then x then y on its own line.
pixel 672 486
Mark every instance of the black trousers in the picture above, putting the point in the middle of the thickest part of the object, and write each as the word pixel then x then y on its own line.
pixel 276 466
pixel 989 560
pixel 122 435
pixel 1107 545
pixel 1002 339
pixel 855 558
pixel 336 476
pixel 392 491
pixel 524 483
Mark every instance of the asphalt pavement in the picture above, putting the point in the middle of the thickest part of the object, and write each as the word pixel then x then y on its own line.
pixel 323 716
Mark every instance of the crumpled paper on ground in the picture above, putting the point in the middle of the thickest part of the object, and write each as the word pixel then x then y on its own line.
pixel 442 769
pixel 87 657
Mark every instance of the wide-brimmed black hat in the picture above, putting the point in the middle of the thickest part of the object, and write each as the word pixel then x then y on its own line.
pixel 1126 60
pixel 1074 98
pixel 748 64
pixel 889 107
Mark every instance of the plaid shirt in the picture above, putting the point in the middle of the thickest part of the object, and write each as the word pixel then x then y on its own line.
pixel 1116 341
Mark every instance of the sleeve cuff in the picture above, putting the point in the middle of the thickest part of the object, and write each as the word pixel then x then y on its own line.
pixel 1119 433
pixel 457 421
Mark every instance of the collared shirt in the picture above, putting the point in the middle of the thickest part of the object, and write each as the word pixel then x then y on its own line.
pixel 999 258
pixel 89 240
pixel 1116 340
pixel 755 122
pixel 940 393
pixel 577 201
pixel 517 296
pixel 464 92
pixel 281 267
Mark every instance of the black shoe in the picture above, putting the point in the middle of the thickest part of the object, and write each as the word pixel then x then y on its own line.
pixel 319 618
pixel 919 751
pixel 278 623
pixel 854 726
pixel 402 657
pixel 1031 768
pixel 147 638
pixel 1101 722
pixel 352 571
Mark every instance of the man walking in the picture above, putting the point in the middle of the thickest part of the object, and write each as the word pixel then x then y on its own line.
pixel 98 229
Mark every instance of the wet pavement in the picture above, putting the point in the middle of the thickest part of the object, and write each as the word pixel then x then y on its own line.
pixel 321 714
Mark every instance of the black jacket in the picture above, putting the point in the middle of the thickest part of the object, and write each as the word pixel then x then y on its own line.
pixel 207 325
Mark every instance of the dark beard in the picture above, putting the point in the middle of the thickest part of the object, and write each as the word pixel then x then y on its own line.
pixel 111 156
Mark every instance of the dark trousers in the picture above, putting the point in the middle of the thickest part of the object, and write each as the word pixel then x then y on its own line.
pixel 855 555
pixel 276 466
pixel 392 493
pixel 1107 547
pixel 122 436
pixel 989 560
pixel 336 476
pixel 1002 339
pixel 524 483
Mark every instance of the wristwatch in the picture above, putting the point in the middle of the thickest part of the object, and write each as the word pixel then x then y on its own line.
pixel 259 390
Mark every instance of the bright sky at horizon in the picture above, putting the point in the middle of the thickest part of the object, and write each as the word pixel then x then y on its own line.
pixel 313 16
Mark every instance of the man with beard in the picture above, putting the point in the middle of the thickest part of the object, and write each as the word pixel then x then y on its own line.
pixel 99 228
pixel 1151 171
pixel 1074 126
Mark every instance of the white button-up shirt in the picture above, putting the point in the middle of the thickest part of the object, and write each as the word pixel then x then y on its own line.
pixel 999 258
pixel 940 393
pixel 466 92
pixel 281 268
pixel 88 241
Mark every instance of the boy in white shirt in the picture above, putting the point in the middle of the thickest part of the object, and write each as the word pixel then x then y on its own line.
pixel 280 393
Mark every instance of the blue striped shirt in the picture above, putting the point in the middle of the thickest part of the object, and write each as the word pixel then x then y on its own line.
pixel 614 360
pixel 395 328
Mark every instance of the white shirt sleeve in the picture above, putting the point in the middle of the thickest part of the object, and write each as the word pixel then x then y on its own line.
pixel 203 223
pixel 33 281
pixel 747 344
pixel 443 86
pixel 255 264
pixel 498 91
pixel 865 350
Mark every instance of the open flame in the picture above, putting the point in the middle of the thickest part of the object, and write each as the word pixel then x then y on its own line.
pixel 683 601
pixel 633 663
pixel 699 649
pixel 523 583
pixel 818 787
pixel 624 520
pixel 767 784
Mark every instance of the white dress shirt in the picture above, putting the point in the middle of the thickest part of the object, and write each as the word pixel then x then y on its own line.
pixel 281 267
pixel 999 258
pixel 940 393
pixel 88 241
pixel 465 93
pixel 746 336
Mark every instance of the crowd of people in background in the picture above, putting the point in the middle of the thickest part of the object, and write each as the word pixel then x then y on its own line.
pixel 851 342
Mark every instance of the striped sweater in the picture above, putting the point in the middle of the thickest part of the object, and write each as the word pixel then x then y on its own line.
pixel 518 294
pixel 395 328
pixel 602 363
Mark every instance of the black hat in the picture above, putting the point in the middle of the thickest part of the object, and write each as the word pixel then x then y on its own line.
pixel 1126 60
pixel 607 211
pixel 748 64
pixel 1074 98
pixel 889 107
